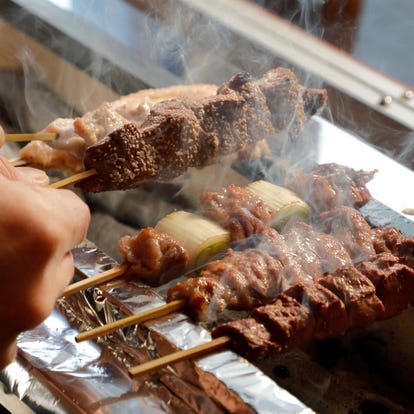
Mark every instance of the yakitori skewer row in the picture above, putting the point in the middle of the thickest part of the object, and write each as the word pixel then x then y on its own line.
pixel 187 240
pixel 276 101
pixel 348 298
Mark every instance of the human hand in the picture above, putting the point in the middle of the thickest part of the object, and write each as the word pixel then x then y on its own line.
pixel 2 136
pixel 39 227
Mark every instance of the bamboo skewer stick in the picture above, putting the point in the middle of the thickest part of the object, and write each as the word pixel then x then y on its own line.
pixel 103 277
pixel 18 162
pixel 186 354
pixel 72 179
pixel 39 136
pixel 131 320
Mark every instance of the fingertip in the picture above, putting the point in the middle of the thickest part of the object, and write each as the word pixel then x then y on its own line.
pixel 7 170
pixel 33 176
pixel 80 213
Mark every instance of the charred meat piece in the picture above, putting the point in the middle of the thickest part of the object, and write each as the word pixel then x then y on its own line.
pixel 242 280
pixel 152 257
pixel 289 321
pixel 316 252
pixel 237 209
pixel 249 338
pixel 393 281
pixel 271 241
pixel 179 134
pixel 303 312
pixel 391 240
pixel 385 239
pixel 330 185
pixel 404 250
pixel 358 294
pixel 290 104
pixel 329 312
pixel 349 227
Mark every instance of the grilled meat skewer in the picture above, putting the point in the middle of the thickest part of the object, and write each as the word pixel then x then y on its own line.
pixel 375 290
pixel 184 133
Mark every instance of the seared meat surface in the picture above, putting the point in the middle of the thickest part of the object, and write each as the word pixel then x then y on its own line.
pixel 183 133
pixel 350 227
pixel 152 256
pixel 237 209
pixel 242 280
pixel 331 185
pixel 315 251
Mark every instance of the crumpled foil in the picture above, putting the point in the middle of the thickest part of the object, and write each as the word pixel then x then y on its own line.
pixel 55 374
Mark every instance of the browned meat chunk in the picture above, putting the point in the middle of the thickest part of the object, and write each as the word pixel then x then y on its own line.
pixel 328 310
pixel 349 227
pixel 152 257
pixel 290 322
pixel 357 293
pixel 393 281
pixel 385 239
pixel 242 280
pixel 332 185
pixel 237 209
pixel 290 104
pixel 404 250
pixel 249 338
pixel 316 252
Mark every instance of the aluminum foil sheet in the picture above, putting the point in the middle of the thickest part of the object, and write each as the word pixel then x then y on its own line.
pixel 54 374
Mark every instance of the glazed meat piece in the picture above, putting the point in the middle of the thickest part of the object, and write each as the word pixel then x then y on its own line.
pixel 272 242
pixel 331 185
pixel 152 257
pixel 404 250
pixel 358 294
pixel 316 252
pixel 75 135
pixel 237 209
pixel 393 281
pixel 391 240
pixel 179 134
pixel 385 239
pixel 349 227
pixel 242 280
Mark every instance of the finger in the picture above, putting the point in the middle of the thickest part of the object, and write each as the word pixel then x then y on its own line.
pixel 67 271
pixel 8 170
pixel 33 175
pixel 2 136
pixel 8 351
pixel 78 213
